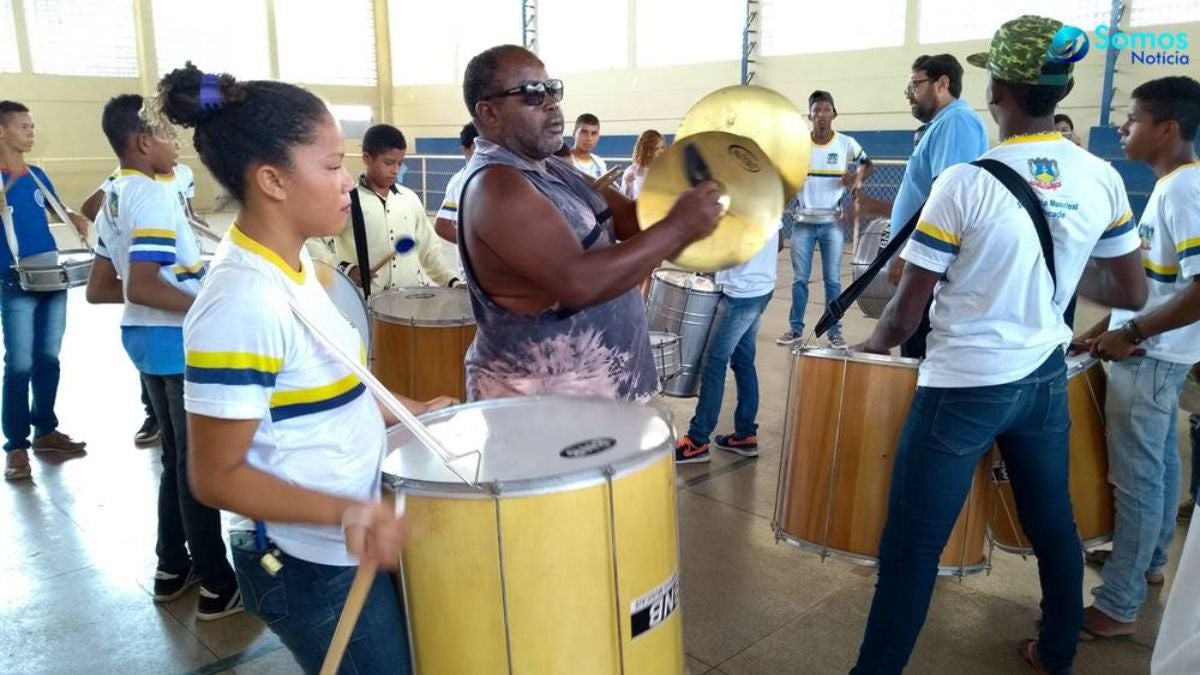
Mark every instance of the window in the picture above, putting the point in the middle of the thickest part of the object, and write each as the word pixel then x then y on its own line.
pixel 424 56
pixel 1160 12
pixel 712 35
pixel 82 37
pixel 578 37
pixel 326 43
pixel 205 35
pixel 946 20
pixel 794 28
pixel 10 59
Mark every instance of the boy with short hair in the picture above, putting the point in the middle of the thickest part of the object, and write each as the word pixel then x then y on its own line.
pixel 148 259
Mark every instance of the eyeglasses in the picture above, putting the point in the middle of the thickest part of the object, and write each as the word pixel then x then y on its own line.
pixel 535 93
pixel 913 84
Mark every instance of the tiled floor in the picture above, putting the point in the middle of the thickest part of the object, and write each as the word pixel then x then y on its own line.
pixel 78 554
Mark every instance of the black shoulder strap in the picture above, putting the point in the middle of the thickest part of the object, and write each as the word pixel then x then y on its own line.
pixel 836 309
pixel 1029 201
pixel 359 223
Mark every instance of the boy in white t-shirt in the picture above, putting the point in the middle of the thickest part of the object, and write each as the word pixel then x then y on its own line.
pixel 995 372
pixel 587 135
pixel 815 211
pixel 446 221
pixel 146 243
pixel 745 292
pixel 1143 391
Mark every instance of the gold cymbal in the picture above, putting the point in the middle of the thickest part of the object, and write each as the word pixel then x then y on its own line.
pixel 753 198
pixel 775 123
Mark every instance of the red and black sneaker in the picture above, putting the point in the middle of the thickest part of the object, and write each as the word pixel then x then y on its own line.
pixel 746 446
pixel 688 451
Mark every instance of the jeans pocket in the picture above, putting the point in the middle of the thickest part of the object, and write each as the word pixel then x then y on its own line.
pixel 966 421
pixel 265 596
pixel 1057 416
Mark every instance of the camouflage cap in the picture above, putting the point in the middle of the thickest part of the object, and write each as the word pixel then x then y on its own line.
pixel 1020 52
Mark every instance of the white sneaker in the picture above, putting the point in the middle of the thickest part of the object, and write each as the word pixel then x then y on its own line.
pixel 837 341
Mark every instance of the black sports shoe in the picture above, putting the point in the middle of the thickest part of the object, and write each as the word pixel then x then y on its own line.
pixel 148 435
pixel 215 605
pixel 746 446
pixel 170 585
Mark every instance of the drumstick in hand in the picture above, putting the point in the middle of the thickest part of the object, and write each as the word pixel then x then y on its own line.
pixel 400 246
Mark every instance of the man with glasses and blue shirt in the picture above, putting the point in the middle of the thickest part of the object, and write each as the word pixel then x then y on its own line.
pixel 553 265
pixel 953 134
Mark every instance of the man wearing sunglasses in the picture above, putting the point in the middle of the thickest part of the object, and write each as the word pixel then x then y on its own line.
pixel 553 265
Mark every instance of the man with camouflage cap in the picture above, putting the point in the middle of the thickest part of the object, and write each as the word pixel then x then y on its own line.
pixel 995 372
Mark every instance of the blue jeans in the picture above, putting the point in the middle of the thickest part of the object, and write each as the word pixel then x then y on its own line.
pixel 805 238
pixel 946 433
pixel 1143 467
pixel 731 343
pixel 1194 484
pixel 33 330
pixel 301 604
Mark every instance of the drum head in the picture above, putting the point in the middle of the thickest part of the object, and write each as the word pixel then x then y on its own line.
pixel 526 447
pixel 685 279
pixel 346 298
pixel 424 306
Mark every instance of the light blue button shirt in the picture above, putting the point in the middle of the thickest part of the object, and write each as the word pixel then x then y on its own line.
pixel 955 135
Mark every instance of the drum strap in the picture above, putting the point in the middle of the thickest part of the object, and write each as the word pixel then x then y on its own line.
pixel 59 210
pixel 1033 206
pixel 10 228
pixel 359 223
pixel 1011 180
pixel 837 307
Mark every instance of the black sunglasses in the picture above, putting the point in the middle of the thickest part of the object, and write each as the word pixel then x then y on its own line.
pixel 535 93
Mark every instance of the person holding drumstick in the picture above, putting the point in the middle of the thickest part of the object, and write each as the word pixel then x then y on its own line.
pixel 281 432
pixel 1152 349
pixel 33 322
pixel 553 265
pixel 995 372
pixel 147 259
pixel 391 213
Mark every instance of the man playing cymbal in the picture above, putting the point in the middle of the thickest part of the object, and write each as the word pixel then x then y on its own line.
pixel 552 264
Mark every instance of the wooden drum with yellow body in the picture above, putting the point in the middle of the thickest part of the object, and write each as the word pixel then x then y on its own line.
pixel 564 557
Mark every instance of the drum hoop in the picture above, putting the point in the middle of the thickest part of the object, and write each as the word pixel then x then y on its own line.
pixel 59 265
pixel 1079 364
pixel 671 339
pixel 880 359
pixel 672 284
pixel 468 320
pixel 526 486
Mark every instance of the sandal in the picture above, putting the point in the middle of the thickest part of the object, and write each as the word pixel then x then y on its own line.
pixel 1029 653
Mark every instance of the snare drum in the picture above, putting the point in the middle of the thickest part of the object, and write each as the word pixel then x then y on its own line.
pixel 844 417
pixel 564 560
pixel 872 240
pixel 346 297
pixel 666 354
pixel 1091 493
pixel 684 304
pixel 55 270
pixel 421 340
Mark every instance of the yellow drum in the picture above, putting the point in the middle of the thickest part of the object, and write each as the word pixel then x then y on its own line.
pixel 564 559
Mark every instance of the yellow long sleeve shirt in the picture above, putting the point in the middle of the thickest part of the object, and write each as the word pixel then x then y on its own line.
pixel 401 214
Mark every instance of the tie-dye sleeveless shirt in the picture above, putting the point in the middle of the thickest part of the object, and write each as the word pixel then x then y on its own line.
pixel 602 350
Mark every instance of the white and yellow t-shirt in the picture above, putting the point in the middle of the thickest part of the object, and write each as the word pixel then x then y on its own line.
pixel 1170 236
pixel 997 315
pixel 823 189
pixel 594 167
pixel 141 221
pixel 250 358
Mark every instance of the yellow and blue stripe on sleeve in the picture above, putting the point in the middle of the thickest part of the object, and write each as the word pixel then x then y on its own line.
pixel 152 245
pixel 934 237
pixel 1119 227
pixel 232 368
pixel 288 404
